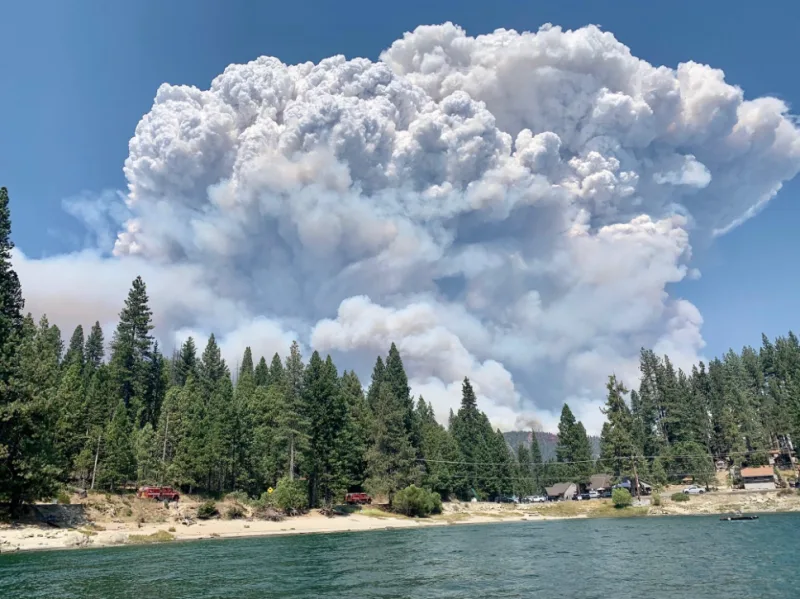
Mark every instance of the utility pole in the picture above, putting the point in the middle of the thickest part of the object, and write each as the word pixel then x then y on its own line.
pixel 635 476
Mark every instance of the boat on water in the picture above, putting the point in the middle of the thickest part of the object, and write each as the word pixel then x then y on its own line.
pixel 738 517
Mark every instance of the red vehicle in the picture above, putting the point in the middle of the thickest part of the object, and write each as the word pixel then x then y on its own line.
pixel 357 498
pixel 158 493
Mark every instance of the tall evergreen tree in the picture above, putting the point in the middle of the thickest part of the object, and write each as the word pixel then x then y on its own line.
pixel 356 434
pixel 293 428
pixel 378 373
pixel 186 365
pixel 75 349
pixel 395 375
pixel 439 451
pixel 262 373
pixel 276 374
pixel 118 463
pixel 131 346
pixel 327 411
pixel 391 458
pixel 95 347
pixel 573 449
pixel 617 441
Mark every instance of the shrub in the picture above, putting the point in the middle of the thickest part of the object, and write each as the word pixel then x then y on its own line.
pixel 678 497
pixel 239 497
pixel 234 512
pixel 621 498
pixel 207 510
pixel 656 500
pixel 63 498
pixel 785 492
pixel 415 501
pixel 290 496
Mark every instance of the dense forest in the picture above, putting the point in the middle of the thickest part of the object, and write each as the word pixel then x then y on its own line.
pixel 113 416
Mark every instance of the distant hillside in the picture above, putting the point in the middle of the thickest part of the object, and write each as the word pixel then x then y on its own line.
pixel 547 443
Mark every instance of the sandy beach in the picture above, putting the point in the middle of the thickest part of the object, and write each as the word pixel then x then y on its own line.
pixel 105 520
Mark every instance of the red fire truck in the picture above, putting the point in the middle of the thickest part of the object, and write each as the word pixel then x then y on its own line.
pixel 158 493
pixel 357 498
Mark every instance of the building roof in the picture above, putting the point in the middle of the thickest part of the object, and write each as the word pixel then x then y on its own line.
pixel 558 489
pixel 757 472
pixel 600 481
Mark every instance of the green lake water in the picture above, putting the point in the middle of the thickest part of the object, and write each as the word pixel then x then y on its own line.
pixel 670 557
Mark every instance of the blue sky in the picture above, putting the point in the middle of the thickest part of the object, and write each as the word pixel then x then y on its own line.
pixel 79 75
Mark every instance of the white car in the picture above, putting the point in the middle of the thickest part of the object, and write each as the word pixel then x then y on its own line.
pixel 694 490
pixel 535 499
pixel 593 494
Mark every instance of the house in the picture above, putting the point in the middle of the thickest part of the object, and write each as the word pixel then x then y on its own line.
pixel 600 482
pixel 782 458
pixel 627 483
pixel 759 478
pixel 561 491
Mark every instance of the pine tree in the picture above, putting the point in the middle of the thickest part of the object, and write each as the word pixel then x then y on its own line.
pixel 395 375
pixel 262 373
pixel 187 362
pixel 28 468
pixel 75 350
pixel 190 464
pixel 276 374
pixel 358 426
pixel 378 372
pixel 243 422
pixel 469 429
pixel 131 346
pixel 95 347
pixel 293 428
pixel 390 458
pixel 574 449
pixel 69 433
pixel 439 451
pixel 536 463
pixel 155 387
pixel 118 463
pixel 327 410
pixel 146 454
pixel 617 440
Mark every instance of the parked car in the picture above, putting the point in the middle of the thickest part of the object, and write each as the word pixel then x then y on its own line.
pixel 694 490
pixel 357 498
pixel 506 499
pixel 540 499
pixel 594 495
pixel 158 493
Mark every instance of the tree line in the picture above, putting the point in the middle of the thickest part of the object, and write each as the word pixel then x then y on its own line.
pixel 735 410
pixel 81 415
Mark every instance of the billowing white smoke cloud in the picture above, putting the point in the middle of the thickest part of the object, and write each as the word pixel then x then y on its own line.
pixel 510 207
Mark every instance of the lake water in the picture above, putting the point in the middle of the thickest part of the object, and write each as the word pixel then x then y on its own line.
pixel 671 557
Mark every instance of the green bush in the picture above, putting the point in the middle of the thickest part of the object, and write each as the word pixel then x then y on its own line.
pixel 234 512
pixel 63 498
pixel 415 501
pixel 621 498
pixel 656 500
pixel 207 510
pixel 289 496
pixel 678 497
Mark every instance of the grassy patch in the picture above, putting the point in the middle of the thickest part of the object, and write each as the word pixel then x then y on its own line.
pixel 380 514
pixel 162 536
pixel 88 533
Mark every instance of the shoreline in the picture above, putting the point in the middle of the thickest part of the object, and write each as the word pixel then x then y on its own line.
pixel 98 532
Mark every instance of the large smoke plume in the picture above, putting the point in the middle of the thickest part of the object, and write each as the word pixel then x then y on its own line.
pixel 510 207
